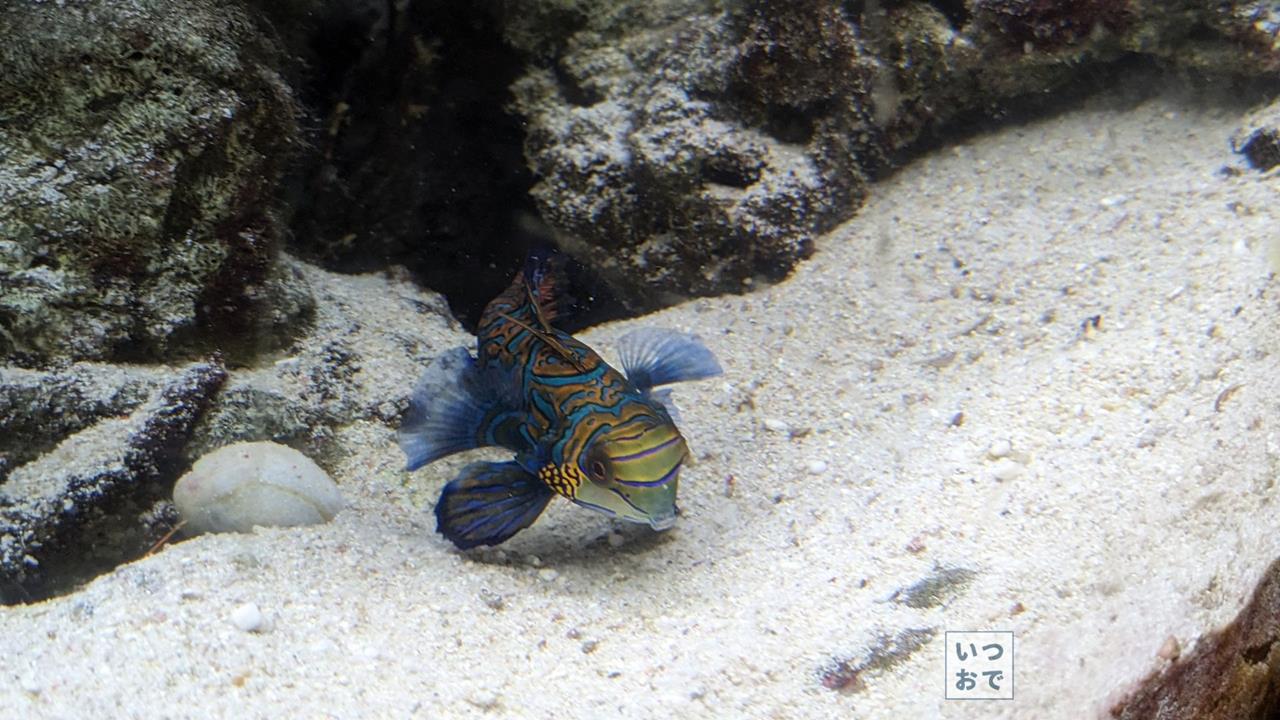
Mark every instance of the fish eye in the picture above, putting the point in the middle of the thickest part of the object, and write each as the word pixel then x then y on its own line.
pixel 597 470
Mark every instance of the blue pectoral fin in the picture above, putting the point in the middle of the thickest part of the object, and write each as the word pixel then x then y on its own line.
pixel 654 356
pixel 488 503
pixel 449 407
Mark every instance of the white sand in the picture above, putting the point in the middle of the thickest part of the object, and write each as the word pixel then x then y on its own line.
pixel 1128 509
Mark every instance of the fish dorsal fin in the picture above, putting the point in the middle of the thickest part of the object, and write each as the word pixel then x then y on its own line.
pixel 656 356
pixel 543 278
pixel 551 340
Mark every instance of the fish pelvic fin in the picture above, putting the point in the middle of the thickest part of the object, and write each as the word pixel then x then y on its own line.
pixel 657 356
pixel 450 407
pixel 488 503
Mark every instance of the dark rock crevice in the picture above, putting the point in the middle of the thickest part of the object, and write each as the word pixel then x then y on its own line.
pixel 418 162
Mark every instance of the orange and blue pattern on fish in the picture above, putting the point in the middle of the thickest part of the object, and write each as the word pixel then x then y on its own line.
pixel 579 428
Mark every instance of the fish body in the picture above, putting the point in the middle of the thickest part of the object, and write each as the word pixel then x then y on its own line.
pixel 579 428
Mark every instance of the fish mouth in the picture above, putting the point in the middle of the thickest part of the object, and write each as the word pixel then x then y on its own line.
pixel 662 522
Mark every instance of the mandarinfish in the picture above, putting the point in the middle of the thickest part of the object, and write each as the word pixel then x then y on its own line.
pixel 579 428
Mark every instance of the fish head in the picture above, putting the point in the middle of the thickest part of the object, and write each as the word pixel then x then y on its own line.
pixel 633 471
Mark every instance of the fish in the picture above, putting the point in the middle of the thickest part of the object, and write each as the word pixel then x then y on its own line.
pixel 579 428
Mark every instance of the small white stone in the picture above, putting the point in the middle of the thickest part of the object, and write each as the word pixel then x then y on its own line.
pixel 483 699
pixel 248 618
pixel 616 539
pixel 1000 448
pixel 548 574
pixel 776 425
pixel 817 467
pixel 1006 470
pixel 242 485
pixel 30 683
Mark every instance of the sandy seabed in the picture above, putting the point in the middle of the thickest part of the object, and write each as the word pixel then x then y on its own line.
pixel 993 400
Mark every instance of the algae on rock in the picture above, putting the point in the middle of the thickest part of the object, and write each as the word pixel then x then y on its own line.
pixel 141 143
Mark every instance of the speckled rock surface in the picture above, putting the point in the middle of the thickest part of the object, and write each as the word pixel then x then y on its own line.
pixel 140 147
pixel 73 509
pixel 62 520
pixel 351 364
pixel 692 146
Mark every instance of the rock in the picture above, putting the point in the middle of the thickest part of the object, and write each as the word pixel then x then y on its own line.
pixel 775 425
pixel 1231 673
pixel 358 358
pixel 244 485
pixel 40 408
pixel 661 177
pixel 248 618
pixel 88 501
pixel 140 154
pixel 1258 138
pixel 1006 470
pixel 690 147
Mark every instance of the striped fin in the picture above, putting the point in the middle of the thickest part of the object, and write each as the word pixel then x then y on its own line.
pixel 488 503
pixel 656 356
pixel 449 407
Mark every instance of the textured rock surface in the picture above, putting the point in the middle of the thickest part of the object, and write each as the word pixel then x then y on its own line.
pixel 77 507
pixel 1233 674
pixel 141 143
pixel 680 146
pixel 1258 138
pixel 689 146
pixel 89 453
pixel 351 364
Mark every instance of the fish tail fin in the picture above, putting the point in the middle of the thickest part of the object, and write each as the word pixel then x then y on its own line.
pixel 488 502
pixel 447 410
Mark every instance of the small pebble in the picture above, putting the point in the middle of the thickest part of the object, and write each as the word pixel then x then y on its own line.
pixel 616 539
pixel 776 425
pixel 1006 470
pixel 492 599
pixel 548 574
pixel 999 449
pixel 248 618
pixel 1169 650
pixel 589 646
pixel 483 699
pixel 817 467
